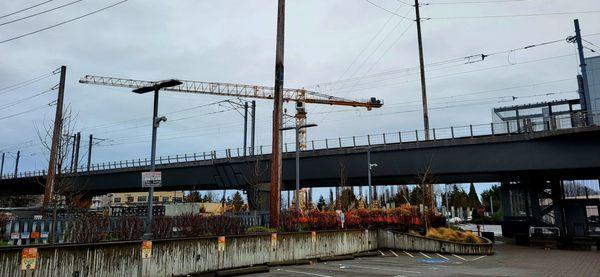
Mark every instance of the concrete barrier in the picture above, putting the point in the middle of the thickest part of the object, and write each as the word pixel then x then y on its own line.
pixel 178 257
pixel 403 241
pixel 185 256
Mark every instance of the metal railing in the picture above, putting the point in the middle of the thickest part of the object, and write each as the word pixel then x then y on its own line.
pixel 564 121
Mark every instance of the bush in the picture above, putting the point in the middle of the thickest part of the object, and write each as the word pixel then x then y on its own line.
pixel 260 229
pixel 448 234
pixel 88 227
pixel 128 228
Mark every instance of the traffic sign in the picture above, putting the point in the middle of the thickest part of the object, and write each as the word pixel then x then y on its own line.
pixel 221 244
pixel 146 249
pixel 28 258
pixel 151 179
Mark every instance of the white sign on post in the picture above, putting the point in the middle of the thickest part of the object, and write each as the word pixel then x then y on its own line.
pixel 151 179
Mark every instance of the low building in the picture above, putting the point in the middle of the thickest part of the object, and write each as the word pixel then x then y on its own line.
pixel 136 198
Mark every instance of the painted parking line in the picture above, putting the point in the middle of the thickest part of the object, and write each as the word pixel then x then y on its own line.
pixel 383 269
pixel 381 253
pixel 408 254
pixel 425 255
pixel 394 253
pixel 305 273
pixel 481 257
pixel 457 256
pixel 442 256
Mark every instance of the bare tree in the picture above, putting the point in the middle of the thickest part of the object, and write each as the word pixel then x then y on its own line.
pixel 254 179
pixel 67 195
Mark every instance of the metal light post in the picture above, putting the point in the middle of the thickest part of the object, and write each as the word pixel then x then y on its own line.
pixel 155 124
pixel 298 128
pixel 370 168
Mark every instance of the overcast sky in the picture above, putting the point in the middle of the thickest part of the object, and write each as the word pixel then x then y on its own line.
pixel 327 42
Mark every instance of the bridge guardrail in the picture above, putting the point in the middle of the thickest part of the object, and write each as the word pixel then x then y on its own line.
pixel 576 119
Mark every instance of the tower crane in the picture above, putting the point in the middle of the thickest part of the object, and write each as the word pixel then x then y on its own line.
pixel 300 96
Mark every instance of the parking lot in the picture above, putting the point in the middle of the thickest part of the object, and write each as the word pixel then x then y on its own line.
pixel 509 260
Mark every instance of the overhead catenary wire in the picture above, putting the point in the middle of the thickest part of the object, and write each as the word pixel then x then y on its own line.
pixel 389 11
pixel 63 22
pixel 28 111
pixel 14 103
pixel 26 9
pixel 511 15
pixel 21 84
pixel 472 2
pixel 40 13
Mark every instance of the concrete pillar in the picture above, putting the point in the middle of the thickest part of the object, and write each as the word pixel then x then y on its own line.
pixel 258 197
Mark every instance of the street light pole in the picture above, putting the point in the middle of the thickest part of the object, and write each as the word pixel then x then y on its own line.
pixel 156 120
pixel 155 123
pixel 297 128
pixel 370 198
pixel 297 168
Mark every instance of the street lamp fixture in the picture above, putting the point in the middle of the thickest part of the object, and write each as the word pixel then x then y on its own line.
pixel 156 120
pixel 298 128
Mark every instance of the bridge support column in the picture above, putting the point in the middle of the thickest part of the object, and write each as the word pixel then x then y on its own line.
pixel 258 197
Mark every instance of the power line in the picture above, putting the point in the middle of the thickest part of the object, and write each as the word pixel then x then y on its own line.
pixel 9 105
pixel 367 46
pixel 39 13
pixel 16 86
pixel 387 10
pixel 28 111
pixel 473 2
pixel 456 73
pixel 466 59
pixel 512 15
pixel 63 22
pixel 25 9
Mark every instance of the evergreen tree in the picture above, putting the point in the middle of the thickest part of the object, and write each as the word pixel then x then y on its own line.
pixel 321 203
pixel 331 201
pixel 194 196
pixel 347 198
pixel 237 201
pixel 494 194
pixel 416 196
pixel 472 199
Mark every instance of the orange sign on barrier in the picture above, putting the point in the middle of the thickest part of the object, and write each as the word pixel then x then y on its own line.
pixel 274 241
pixel 146 249
pixel 35 235
pixel 313 236
pixel 28 258
pixel 221 243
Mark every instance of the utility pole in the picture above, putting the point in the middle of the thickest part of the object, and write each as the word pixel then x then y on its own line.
pixel 274 201
pixel 17 163
pixel 56 137
pixel 89 157
pixel 245 127
pixel 77 141
pixel 492 205
pixel 2 166
pixel 253 127
pixel 422 66
pixel 582 65
pixel 73 152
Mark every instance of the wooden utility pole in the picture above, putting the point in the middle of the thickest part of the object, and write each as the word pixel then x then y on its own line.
pixel 422 66
pixel 274 199
pixel 56 138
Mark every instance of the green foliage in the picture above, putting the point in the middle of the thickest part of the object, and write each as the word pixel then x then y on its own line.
pixel 260 229
pixel 347 198
pixel 494 194
pixel 321 203
pixel 237 201
pixel 472 199
pixel 416 196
